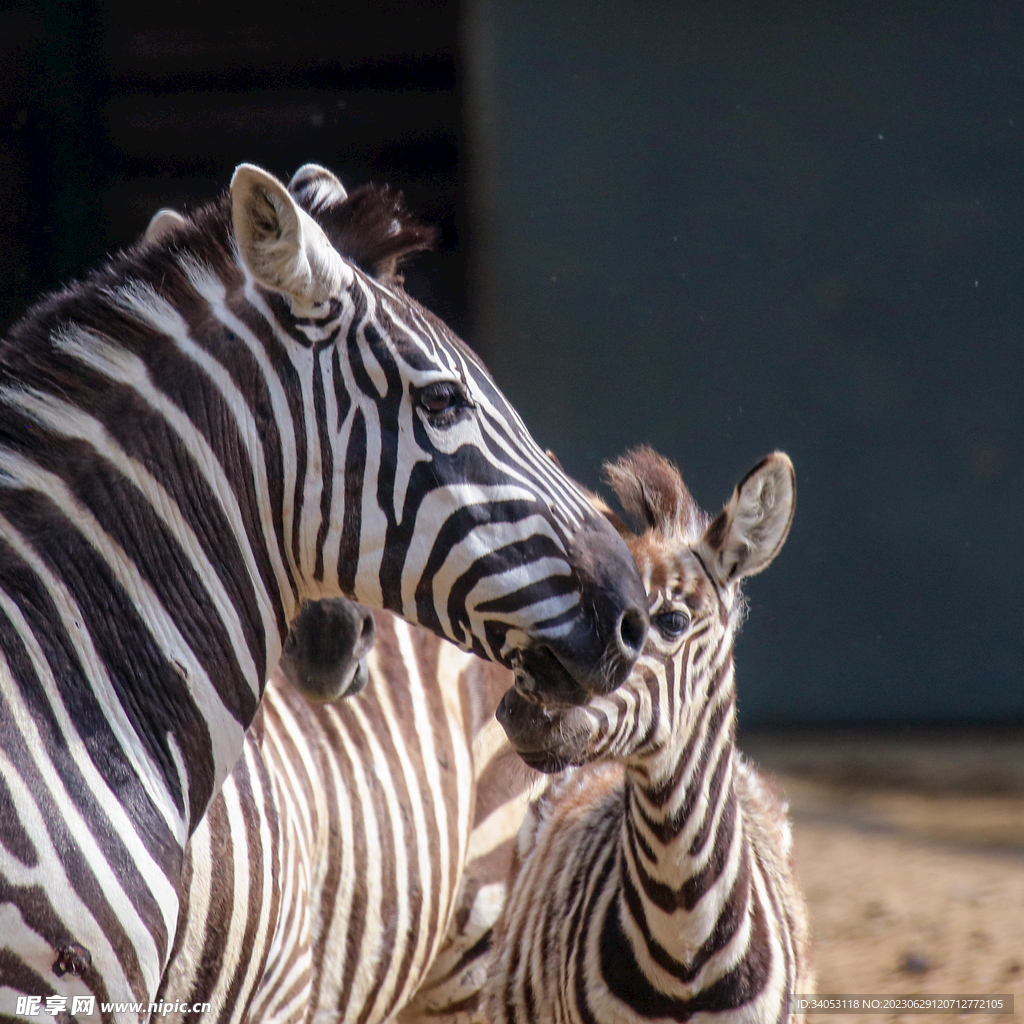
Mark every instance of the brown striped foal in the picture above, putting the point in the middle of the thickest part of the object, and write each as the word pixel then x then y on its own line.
pixel 654 881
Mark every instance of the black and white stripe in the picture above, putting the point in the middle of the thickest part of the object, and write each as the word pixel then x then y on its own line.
pixel 657 884
pixel 357 855
pixel 229 419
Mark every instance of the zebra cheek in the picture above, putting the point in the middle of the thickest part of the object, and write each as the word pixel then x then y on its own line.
pixel 464 433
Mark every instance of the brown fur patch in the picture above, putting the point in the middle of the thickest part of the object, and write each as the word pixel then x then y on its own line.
pixel 373 228
pixel 652 492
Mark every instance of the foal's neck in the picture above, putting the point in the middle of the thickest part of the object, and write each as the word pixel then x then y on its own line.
pixel 682 832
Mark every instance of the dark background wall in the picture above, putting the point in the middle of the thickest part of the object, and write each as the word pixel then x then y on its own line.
pixel 725 228
pixel 717 227
pixel 110 110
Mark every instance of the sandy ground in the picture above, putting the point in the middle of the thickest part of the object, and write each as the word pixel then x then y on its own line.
pixel 911 889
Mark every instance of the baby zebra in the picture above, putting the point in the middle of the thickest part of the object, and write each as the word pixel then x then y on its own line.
pixel 657 883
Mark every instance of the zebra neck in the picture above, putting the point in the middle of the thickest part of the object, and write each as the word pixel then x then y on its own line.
pixel 144 592
pixel 685 882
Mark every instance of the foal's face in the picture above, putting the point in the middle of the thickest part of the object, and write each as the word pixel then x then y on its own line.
pixel 640 719
pixel 692 574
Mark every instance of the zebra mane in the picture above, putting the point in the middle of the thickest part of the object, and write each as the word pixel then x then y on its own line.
pixel 372 227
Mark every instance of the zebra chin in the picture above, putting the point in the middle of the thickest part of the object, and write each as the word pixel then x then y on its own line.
pixel 547 738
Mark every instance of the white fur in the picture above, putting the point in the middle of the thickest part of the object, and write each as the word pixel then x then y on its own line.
pixel 318 183
pixel 163 223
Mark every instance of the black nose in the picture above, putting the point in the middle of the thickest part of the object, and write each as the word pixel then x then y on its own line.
pixel 608 635
pixel 327 641
pixel 632 632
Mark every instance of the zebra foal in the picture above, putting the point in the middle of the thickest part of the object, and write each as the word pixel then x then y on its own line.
pixel 303 945
pixel 655 882
pixel 244 412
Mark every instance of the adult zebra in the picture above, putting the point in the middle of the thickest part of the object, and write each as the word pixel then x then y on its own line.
pixel 359 849
pixel 213 427
pixel 657 884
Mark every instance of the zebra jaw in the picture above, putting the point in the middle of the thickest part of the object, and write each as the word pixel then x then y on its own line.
pixel 546 737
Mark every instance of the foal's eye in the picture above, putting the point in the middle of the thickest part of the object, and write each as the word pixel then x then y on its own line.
pixel 441 397
pixel 671 624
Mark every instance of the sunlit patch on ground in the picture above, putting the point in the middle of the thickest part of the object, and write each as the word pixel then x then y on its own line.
pixel 911 888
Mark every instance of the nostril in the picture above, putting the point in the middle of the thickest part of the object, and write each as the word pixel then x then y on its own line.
pixel 369 630
pixel 632 632
pixel 367 636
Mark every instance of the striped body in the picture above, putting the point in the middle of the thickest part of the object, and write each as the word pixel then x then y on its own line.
pixel 653 880
pixel 338 871
pixel 219 424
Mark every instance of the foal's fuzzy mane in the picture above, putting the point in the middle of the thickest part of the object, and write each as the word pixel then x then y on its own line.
pixel 653 495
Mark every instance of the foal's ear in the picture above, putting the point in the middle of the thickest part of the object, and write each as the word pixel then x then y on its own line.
pixel 282 246
pixel 748 533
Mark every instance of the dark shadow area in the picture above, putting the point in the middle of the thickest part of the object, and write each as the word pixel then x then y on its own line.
pixel 724 229
pixel 111 111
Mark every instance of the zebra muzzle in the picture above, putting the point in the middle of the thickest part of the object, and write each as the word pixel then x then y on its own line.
pixel 602 646
pixel 541 678
pixel 541 735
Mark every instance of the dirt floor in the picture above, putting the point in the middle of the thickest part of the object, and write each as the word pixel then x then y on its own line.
pixel 916 886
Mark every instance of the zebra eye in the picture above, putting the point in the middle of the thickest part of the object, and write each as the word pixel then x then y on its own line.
pixel 442 397
pixel 672 624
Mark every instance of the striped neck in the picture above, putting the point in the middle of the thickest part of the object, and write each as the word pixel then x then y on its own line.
pixel 141 517
pixel 685 860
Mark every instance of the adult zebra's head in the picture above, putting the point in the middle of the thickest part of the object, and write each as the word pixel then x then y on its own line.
pixel 418 488
pixel 682 685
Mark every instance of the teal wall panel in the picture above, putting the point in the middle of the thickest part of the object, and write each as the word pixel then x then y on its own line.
pixel 726 228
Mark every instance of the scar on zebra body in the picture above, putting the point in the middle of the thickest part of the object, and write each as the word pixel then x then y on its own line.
pixel 325 651
pixel 73 959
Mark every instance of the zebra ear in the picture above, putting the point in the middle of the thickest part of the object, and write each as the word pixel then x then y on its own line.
pixel 748 533
pixel 653 493
pixel 163 223
pixel 281 245
pixel 316 188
